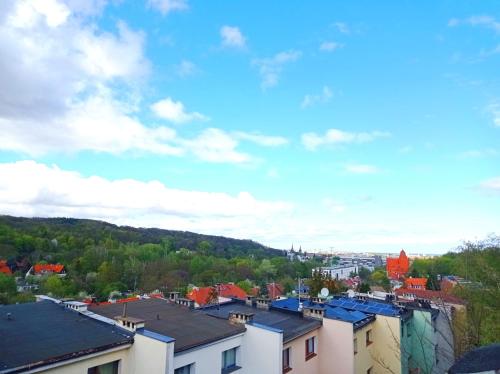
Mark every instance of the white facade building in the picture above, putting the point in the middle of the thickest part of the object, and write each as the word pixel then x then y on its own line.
pixel 338 272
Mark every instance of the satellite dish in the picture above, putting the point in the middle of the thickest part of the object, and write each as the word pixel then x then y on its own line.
pixel 324 292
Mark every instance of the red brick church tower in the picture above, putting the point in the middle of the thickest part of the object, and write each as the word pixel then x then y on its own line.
pixel 397 267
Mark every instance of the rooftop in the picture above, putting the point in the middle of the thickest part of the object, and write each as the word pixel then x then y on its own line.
pixel 479 360
pixel 190 328
pixel 292 325
pixel 43 333
pixel 357 318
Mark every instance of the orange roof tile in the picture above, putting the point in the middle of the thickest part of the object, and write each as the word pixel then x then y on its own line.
pixel 200 295
pixel 48 268
pixel 416 283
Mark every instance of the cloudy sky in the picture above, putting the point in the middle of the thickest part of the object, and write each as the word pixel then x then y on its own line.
pixel 359 125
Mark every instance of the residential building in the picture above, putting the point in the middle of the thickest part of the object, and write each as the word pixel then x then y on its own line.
pixel 185 340
pixel 4 268
pixel 397 267
pixel 274 290
pixel 224 293
pixel 416 283
pixel 337 272
pixel 47 269
pixel 47 337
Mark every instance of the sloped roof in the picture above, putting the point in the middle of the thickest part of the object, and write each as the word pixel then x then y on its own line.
pixel 412 282
pixel 50 268
pixel 4 268
pixel 429 295
pixel 200 294
pixel 44 333
pixel 274 290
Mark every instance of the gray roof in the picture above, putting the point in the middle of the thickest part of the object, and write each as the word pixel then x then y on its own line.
pixel 292 324
pixel 481 359
pixel 190 328
pixel 43 333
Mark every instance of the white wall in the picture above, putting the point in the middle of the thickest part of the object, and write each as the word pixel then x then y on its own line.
pixel 261 351
pixel 208 358
pixel 151 355
pixel 336 350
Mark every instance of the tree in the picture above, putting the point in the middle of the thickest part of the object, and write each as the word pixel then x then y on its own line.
pixel 364 273
pixel 364 288
pixel 266 269
pixel 7 288
pixel 54 286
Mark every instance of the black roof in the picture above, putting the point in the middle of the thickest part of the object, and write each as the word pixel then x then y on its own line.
pixel 43 333
pixel 478 360
pixel 190 328
pixel 292 324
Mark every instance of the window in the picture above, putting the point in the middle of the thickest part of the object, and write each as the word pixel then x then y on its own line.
pixel 109 368
pixel 310 348
pixel 286 360
pixel 229 361
pixel 369 337
pixel 355 345
pixel 183 370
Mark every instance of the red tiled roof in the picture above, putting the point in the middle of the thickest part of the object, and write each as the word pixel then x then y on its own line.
pixel 48 268
pixel 200 294
pixel 429 295
pixel 274 290
pixel 416 283
pixel 4 268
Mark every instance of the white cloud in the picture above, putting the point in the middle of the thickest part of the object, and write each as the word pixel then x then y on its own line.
pixel 28 188
pixel 494 110
pixel 168 6
pixel 264 140
pixel 479 20
pixel 186 68
pixel 270 68
pixel 174 111
pixel 342 27
pixel 310 100
pixel 232 37
pixel 330 46
pixel 491 185
pixel 361 169
pixel 312 140
pixel 333 205
pixel 479 153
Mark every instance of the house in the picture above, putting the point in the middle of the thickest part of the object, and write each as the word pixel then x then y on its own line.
pixel 482 360
pixel 4 268
pixel 416 283
pixel 47 337
pixel 274 290
pixel 363 336
pixel 406 294
pixel 397 267
pixel 224 292
pixel 184 340
pixel 276 341
pixel 39 270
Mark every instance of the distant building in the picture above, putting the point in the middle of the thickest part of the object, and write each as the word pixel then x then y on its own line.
pixel 397 267
pixel 47 269
pixel 338 272
pixel 416 283
pixel 4 268
pixel 225 292
pixel 274 290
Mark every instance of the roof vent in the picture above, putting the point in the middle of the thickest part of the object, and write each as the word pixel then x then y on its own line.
pixel 9 317
pixel 240 317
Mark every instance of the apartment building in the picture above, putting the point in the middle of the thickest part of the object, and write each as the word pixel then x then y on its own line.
pixel 338 272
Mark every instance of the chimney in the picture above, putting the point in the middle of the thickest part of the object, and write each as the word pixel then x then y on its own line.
pixel 173 296
pixel 263 303
pixel 315 312
pixel 240 317
pixel 249 301
pixel 130 323
pixel 186 302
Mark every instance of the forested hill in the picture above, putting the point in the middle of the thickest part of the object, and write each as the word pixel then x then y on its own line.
pixel 35 233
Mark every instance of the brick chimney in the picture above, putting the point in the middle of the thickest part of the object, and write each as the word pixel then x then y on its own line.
pixel 315 312
pixel 130 323
pixel 250 300
pixel 240 317
pixel 173 296
pixel 263 303
pixel 186 302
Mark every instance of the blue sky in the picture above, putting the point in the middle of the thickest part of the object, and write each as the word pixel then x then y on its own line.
pixel 366 126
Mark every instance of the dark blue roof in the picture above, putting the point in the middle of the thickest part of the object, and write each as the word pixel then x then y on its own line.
pixel 330 311
pixel 478 360
pixel 366 306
